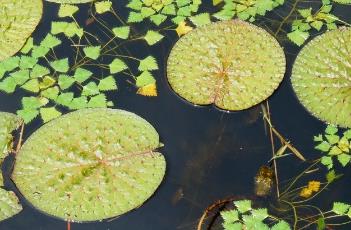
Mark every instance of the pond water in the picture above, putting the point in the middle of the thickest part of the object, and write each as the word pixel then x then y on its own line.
pixel 210 154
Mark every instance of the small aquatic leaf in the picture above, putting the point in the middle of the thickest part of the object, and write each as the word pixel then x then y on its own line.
pixel 331 176
pixel 243 205
pixel 47 82
pixel 230 216
pixel 31 103
pixel 90 89
pixel 58 27
pixel 232 226
pixel 28 114
pixel 259 214
pixel 157 19
pixel 51 93
pixel 125 150
pixel 47 114
pixel 9 204
pixel 153 37
pixel 39 51
pixel 65 81
pixel 27 62
pixel 340 208
pixel 344 159
pixel 31 85
pixel 65 99
pixel 148 63
pixel 103 6
pixel 92 52
pixel 201 19
pixel 28 46
pixel 183 28
pixel 10 63
pixel 107 83
pixel 67 10
pixel 39 71
pixel 50 41
pixel 60 65
pixel 98 101
pixel 298 37
pixel 327 161
pixel 331 129
pixel 148 90
pixel 8 85
pixel 117 65
pixel 135 4
pixel 281 225
pixel 323 146
pixel 145 78
pixel 135 17
pixel 78 103
pixel 81 75
pixel 20 76
pixel 70 1
pixel 121 32
pixel 8 123
pixel 169 10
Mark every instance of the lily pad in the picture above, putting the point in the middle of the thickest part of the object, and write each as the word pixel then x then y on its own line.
pixel 90 165
pixel 8 123
pixel 231 64
pixel 9 204
pixel 321 77
pixel 18 19
pixel 70 1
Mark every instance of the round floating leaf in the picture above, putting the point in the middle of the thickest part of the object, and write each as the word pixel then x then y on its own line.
pixel 8 123
pixel 348 2
pixel 90 165
pixel 18 19
pixel 321 77
pixel 70 1
pixel 232 64
pixel 9 204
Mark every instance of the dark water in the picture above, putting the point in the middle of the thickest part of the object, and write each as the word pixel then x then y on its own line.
pixel 210 154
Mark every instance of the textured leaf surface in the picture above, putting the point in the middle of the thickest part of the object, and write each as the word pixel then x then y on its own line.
pixel 8 123
pixel 321 77
pixel 93 164
pixel 70 1
pixel 9 204
pixel 18 19
pixel 234 71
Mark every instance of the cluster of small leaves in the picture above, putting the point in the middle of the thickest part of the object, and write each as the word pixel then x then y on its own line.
pixel 159 10
pixel 310 20
pixel 342 209
pixel 334 145
pixel 243 216
pixel 245 9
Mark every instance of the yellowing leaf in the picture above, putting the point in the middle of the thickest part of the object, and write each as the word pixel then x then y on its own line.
pixel 314 185
pixel 306 192
pixel 183 28
pixel 148 90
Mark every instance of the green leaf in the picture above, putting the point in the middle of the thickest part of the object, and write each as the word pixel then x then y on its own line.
pixel 8 85
pixel 281 225
pixel 201 19
pixel 90 89
pixel 298 37
pixel 148 63
pixel 318 138
pixel 327 161
pixel 117 65
pixel 243 205
pixel 334 151
pixel 121 32
pixel 65 99
pixel 31 85
pixel 60 65
pixel 39 51
pixel 27 62
pixel 58 27
pixel 259 214
pixel 31 103
pixel 50 41
pixel 28 114
pixel 157 19
pixel 323 146
pixel 135 5
pixel 103 6
pixel 230 216
pixel 340 208
pixel 65 81
pixel 10 63
pixel 98 101
pixel 81 75
pixel 135 17
pixel 9 204
pixel 20 76
pixel 305 12
pixel 47 114
pixel 28 46
pixel 317 25
pixel 331 129
pixel 169 10
pixel 39 71
pixel 51 93
pixel 347 134
pixel 92 52
pixel 344 159
pixel 145 78
pixel 331 176
pixel 152 37
pixel 47 82
pixel 78 103
pixel 232 226
pixel 108 83
pixel 147 12
pixel 67 10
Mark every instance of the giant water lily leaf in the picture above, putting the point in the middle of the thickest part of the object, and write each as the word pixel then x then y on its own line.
pixel 70 1
pixel 18 19
pixel 321 77
pixel 90 165
pixel 9 205
pixel 348 2
pixel 232 64
pixel 8 123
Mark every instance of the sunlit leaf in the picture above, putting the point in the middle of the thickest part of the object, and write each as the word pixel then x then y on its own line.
pixel 60 65
pixel 340 208
pixel 31 85
pixel 50 41
pixel 121 32
pixel 145 78
pixel 107 83
pixel 90 89
pixel 103 6
pixel 201 19
pixel 152 37
pixel 49 113
pixel 243 205
pixel 28 46
pixel 148 90
pixel 27 62
pixel 9 204
pixel 39 51
pixel 92 52
pixel 67 10
pixel 65 99
pixel 148 63
pixel 65 81
pixel 183 28
pixel 98 101
pixel 81 75
pixel 117 65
